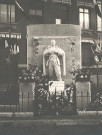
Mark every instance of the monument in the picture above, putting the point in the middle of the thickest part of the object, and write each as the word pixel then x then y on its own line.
pixel 52 57
pixel 64 35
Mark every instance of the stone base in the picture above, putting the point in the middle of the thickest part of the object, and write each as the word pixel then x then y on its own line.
pixel 83 95
pixel 26 96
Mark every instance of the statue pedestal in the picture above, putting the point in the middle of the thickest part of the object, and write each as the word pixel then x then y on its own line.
pixel 26 96
pixel 83 95
pixel 56 86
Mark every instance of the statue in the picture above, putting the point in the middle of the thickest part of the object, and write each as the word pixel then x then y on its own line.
pixel 52 56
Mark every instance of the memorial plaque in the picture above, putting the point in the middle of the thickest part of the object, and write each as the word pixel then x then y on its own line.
pixel 58 85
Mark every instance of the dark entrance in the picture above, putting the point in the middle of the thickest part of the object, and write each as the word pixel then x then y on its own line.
pixel 8 73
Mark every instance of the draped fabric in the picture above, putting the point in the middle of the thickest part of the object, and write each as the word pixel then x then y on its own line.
pixel 53 54
pixel 11 41
pixel 87 55
pixel 8 63
pixel 8 71
pixel 2 43
pixel 3 66
pixel 8 67
pixel 98 11
pixel 7 42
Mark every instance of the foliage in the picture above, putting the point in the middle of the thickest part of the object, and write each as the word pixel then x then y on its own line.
pixel 54 104
pixel 45 102
pixel 81 74
pixel 33 74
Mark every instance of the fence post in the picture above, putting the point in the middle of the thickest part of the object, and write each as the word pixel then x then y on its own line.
pixel 28 101
pixel 22 101
pixel 87 98
pixel 81 100
pixel 36 102
pixel 61 101
pixel 49 106
pixel 55 101
pixel 10 107
pixel 4 107
pixel 49 96
pixel 74 100
pixel 16 107
pixel 4 103
pixel 34 92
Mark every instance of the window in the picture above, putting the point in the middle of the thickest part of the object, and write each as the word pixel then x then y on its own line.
pixel 32 12
pixel 6 11
pixel 58 1
pixel 87 3
pixel 39 12
pixel 99 20
pixel 84 18
pixel 62 1
pixel 58 21
pixel 66 1
pixel 35 12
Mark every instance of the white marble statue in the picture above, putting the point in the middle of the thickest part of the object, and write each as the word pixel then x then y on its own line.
pixel 52 57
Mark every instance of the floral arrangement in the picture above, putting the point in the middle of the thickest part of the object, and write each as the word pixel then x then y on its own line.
pixel 45 102
pixel 34 74
pixel 81 75
pixel 70 89
pixel 58 104
pixel 54 104
pixel 28 75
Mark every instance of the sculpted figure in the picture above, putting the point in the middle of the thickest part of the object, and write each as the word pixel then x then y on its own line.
pixel 52 57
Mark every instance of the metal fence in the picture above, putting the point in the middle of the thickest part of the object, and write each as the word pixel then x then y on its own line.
pixel 41 103
pixel 46 103
pixel 23 104
pixel 89 102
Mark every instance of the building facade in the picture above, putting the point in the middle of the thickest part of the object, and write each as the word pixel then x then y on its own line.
pixel 16 15
pixel 80 12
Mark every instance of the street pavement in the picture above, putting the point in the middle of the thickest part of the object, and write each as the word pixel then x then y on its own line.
pixel 69 130
pixel 55 125
pixel 52 121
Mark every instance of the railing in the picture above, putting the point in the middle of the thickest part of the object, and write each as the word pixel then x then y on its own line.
pixel 89 102
pixel 44 103
pixel 48 105
pixel 24 104
pixel 54 104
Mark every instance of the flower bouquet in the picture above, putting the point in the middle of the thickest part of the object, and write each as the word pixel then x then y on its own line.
pixel 28 75
pixel 81 75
